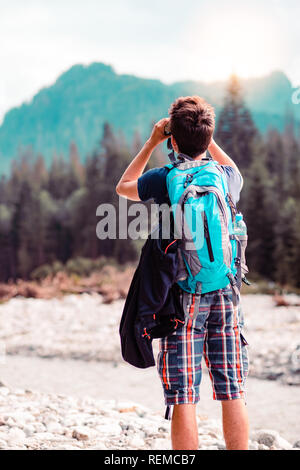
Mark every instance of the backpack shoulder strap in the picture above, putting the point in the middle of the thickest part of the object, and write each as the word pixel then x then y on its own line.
pixel 169 166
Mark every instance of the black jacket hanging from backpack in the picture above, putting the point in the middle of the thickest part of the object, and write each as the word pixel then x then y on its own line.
pixel 152 308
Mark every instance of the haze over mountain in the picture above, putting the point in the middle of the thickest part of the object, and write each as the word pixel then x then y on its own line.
pixel 76 106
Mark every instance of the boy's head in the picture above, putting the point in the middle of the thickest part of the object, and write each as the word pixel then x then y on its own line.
pixel 192 122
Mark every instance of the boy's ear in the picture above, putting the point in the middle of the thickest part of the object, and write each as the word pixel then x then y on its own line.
pixel 174 144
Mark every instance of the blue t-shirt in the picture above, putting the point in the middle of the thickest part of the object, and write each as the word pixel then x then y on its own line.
pixel 152 184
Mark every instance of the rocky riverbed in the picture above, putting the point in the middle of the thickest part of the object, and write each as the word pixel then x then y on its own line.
pixel 273 334
pixel 50 400
pixel 83 327
pixel 35 421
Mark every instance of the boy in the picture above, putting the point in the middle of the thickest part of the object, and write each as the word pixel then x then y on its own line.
pixel 215 330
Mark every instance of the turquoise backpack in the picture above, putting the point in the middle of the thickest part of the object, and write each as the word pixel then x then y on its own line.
pixel 204 214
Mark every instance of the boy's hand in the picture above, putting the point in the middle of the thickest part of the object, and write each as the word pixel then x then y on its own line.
pixel 158 135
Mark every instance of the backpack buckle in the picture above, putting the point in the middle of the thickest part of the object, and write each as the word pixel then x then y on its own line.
pixel 245 281
pixel 237 261
pixel 188 180
pixel 232 279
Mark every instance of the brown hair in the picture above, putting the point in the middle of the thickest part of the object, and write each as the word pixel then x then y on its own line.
pixel 192 124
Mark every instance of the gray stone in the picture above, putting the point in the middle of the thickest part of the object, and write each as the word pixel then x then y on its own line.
pixel 270 438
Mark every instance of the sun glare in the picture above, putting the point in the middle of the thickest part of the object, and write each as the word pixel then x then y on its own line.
pixel 242 41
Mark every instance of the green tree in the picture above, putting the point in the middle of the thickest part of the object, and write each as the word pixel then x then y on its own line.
pixel 287 240
pixel 236 131
pixel 260 212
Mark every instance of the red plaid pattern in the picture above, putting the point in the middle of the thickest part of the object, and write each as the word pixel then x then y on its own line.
pixel 215 333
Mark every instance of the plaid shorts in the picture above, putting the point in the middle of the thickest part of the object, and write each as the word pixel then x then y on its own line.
pixel 213 331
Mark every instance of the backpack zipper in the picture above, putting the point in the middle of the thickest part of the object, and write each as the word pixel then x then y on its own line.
pixel 170 245
pixel 207 237
pixel 188 179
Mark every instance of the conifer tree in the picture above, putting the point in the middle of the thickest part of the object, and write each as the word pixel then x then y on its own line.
pixel 260 215
pixel 236 132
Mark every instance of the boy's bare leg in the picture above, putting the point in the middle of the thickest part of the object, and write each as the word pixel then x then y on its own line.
pixel 184 429
pixel 235 424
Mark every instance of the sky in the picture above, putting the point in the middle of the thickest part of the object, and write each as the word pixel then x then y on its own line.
pixel 170 40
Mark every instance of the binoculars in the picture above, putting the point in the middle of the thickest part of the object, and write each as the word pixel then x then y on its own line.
pixel 167 130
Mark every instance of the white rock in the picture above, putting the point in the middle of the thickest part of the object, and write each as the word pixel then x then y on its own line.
pixel 29 430
pixel 70 422
pixel 263 447
pixel 83 433
pixel 136 442
pixel 207 440
pixel 3 434
pixel 112 429
pixel 253 445
pixel 10 422
pixel 44 436
pixel 39 427
pixel 150 430
pixel 3 444
pixel 161 444
pixel 282 443
pixel 54 427
pixel 19 391
pixel 22 417
pixel 16 436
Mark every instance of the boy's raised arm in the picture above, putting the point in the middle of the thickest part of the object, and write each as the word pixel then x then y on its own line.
pixel 127 186
pixel 220 156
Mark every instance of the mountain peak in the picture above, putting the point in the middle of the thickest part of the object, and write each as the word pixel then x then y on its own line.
pixel 78 71
pixel 279 78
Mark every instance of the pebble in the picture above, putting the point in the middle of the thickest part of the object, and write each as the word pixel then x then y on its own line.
pixel 112 429
pixel 137 442
pixel 81 434
pixel 16 436
pixel 3 444
pixel 10 422
pixel 161 444
pixel 29 430
pixel 54 427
